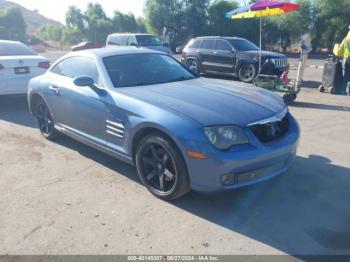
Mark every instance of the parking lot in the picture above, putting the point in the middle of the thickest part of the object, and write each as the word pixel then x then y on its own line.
pixel 66 198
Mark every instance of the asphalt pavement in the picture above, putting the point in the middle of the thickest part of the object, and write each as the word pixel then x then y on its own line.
pixel 66 198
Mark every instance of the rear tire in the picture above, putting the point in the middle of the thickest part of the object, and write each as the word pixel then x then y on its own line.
pixel 161 167
pixel 247 72
pixel 45 121
pixel 321 88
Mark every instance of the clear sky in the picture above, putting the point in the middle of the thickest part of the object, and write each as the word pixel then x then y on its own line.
pixel 56 9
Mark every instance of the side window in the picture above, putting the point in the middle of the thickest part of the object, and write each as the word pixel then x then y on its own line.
pixel 77 66
pixel 113 40
pixel 223 46
pixel 208 44
pixel 123 39
pixel 195 44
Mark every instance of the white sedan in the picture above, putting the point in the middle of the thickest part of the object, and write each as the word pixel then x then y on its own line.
pixel 18 64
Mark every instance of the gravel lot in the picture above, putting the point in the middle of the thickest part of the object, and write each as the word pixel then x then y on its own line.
pixel 65 198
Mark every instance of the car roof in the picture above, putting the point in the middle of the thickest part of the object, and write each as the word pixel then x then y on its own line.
pixel 10 42
pixel 113 51
pixel 120 34
pixel 219 37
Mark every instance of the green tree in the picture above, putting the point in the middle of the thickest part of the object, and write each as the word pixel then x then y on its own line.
pixel 331 20
pixel 184 19
pixel 288 28
pixel 125 22
pixel 165 13
pixel 98 24
pixel 75 18
pixel 195 17
pixel 13 26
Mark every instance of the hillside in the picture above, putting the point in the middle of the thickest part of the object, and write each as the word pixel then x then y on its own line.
pixel 33 19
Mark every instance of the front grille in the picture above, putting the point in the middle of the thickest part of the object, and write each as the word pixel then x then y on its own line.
pixel 269 132
pixel 280 63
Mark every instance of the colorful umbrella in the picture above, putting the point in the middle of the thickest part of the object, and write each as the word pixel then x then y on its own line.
pixel 261 9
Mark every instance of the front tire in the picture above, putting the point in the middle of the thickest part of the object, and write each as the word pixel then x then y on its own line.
pixel 161 167
pixel 247 72
pixel 45 121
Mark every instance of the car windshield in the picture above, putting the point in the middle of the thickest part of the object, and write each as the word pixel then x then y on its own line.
pixel 243 45
pixel 15 49
pixel 145 69
pixel 148 40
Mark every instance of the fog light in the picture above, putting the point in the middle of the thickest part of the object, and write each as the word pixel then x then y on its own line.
pixel 228 179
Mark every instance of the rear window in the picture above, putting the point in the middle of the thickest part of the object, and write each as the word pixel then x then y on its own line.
pixel 148 40
pixel 15 49
pixel 118 40
pixel 195 44
pixel 243 45
pixel 208 44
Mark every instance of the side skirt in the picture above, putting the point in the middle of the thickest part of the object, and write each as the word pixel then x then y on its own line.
pixel 219 73
pixel 88 142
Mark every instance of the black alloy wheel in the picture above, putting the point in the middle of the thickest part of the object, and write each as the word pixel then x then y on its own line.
pixel 247 73
pixel 161 167
pixel 45 122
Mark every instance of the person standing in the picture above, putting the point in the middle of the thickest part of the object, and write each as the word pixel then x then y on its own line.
pixel 345 51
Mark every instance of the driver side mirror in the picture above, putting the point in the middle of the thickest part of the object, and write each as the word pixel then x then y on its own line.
pixel 84 81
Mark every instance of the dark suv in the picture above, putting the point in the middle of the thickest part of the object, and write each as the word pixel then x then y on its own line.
pixel 231 56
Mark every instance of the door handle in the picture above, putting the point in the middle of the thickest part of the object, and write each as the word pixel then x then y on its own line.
pixel 54 89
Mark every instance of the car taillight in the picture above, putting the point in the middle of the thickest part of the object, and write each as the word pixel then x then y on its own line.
pixel 44 65
pixel 1 67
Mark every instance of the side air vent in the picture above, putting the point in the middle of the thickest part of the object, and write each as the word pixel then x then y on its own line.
pixel 115 129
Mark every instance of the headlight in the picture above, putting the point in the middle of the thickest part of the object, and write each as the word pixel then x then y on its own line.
pixel 224 137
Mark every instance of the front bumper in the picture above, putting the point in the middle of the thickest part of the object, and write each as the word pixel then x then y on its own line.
pixel 244 165
pixel 273 70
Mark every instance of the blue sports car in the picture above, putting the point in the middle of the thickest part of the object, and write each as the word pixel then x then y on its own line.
pixel 181 131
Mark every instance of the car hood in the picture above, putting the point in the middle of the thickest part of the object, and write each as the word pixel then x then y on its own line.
pixel 265 54
pixel 211 102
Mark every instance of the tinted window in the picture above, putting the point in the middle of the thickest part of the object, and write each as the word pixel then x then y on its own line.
pixel 144 69
pixel 14 49
pixel 118 40
pixel 77 66
pixel 223 46
pixel 243 45
pixel 148 40
pixel 195 44
pixel 208 44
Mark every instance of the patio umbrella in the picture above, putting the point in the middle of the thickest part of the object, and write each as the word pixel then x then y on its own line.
pixel 261 9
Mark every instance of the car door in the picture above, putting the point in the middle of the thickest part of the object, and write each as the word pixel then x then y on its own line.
pixel 207 55
pixel 81 110
pixel 225 57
